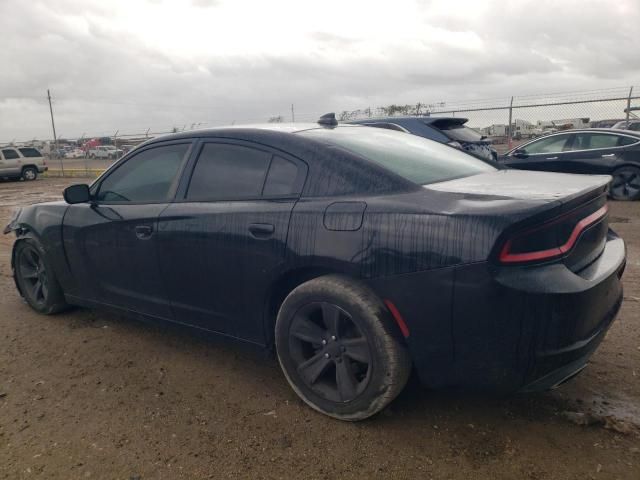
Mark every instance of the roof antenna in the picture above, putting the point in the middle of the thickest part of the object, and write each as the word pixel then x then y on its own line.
pixel 328 120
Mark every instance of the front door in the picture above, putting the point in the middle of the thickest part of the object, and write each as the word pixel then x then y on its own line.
pixel 546 154
pixel 221 246
pixel 111 243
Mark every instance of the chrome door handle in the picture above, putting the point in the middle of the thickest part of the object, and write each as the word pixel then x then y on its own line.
pixel 551 158
pixel 609 155
pixel 261 230
pixel 143 231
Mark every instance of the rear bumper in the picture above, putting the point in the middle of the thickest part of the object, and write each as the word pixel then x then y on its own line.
pixel 510 328
pixel 533 326
pixel 42 168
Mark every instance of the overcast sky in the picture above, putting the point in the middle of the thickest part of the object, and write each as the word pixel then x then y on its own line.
pixel 135 64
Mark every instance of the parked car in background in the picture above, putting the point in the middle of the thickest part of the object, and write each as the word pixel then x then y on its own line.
pixel 21 162
pixel 633 125
pixel 591 151
pixel 358 253
pixel 607 123
pixel 105 151
pixel 75 153
pixel 449 130
pixel 127 148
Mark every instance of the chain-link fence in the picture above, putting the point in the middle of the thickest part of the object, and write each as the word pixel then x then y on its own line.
pixel 508 121
pixel 505 121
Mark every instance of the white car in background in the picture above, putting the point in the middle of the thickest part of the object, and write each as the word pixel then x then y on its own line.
pixel 21 162
pixel 105 151
pixel 75 153
pixel 632 124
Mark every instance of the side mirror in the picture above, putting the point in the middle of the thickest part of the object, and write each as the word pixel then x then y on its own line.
pixel 519 153
pixel 77 194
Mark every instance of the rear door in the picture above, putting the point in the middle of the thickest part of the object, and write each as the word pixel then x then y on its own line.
pixel 111 243
pixel 596 152
pixel 223 243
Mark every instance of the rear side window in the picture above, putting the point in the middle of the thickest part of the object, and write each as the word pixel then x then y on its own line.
pixel 10 154
pixel 281 179
pixel 30 152
pixel 144 178
pixel 229 172
pixel 592 141
pixel 414 158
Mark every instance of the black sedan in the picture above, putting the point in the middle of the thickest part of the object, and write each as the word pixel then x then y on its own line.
pixel 357 253
pixel 591 151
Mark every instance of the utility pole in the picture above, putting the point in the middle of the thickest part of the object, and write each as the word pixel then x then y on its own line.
pixel 53 126
pixel 510 138
pixel 628 109
pixel 293 116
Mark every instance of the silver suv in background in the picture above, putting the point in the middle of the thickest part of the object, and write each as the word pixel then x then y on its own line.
pixel 21 162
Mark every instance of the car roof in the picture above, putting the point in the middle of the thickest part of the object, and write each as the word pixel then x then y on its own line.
pixel 276 128
pixel 597 130
pixel 427 119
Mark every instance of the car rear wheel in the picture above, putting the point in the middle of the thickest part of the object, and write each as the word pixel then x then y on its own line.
pixel 625 184
pixel 35 278
pixel 339 348
pixel 29 174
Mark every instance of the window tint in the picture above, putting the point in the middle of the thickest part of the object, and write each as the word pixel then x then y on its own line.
pixel 30 152
pixel 145 177
pixel 225 171
pixel 553 144
pixel 281 179
pixel 415 158
pixel 591 141
pixel 10 154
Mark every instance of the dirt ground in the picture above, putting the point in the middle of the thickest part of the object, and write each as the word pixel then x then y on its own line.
pixel 87 394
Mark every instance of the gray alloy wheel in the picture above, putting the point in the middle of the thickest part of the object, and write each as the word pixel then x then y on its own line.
pixel 35 278
pixel 625 184
pixel 340 349
pixel 29 174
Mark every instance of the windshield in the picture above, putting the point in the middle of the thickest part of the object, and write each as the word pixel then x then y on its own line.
pixel 415 158
pixel 461 133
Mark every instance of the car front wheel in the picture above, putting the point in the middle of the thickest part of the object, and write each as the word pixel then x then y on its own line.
pixel 35 278
pixel 340 349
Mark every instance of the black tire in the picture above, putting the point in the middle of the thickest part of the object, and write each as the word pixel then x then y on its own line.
pixel 29 173
pixel 35 278
pixel 625 184
pixel 340 349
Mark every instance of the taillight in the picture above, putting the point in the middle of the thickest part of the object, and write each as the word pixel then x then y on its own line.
pixel 549 240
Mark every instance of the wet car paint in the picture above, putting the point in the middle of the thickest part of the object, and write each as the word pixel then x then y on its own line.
pixel 427 249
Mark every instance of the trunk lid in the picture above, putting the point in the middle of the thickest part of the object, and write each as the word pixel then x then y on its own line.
pixel 527 185
pixel 564 218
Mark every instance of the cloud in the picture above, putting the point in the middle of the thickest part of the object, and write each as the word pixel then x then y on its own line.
pixel 138 64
